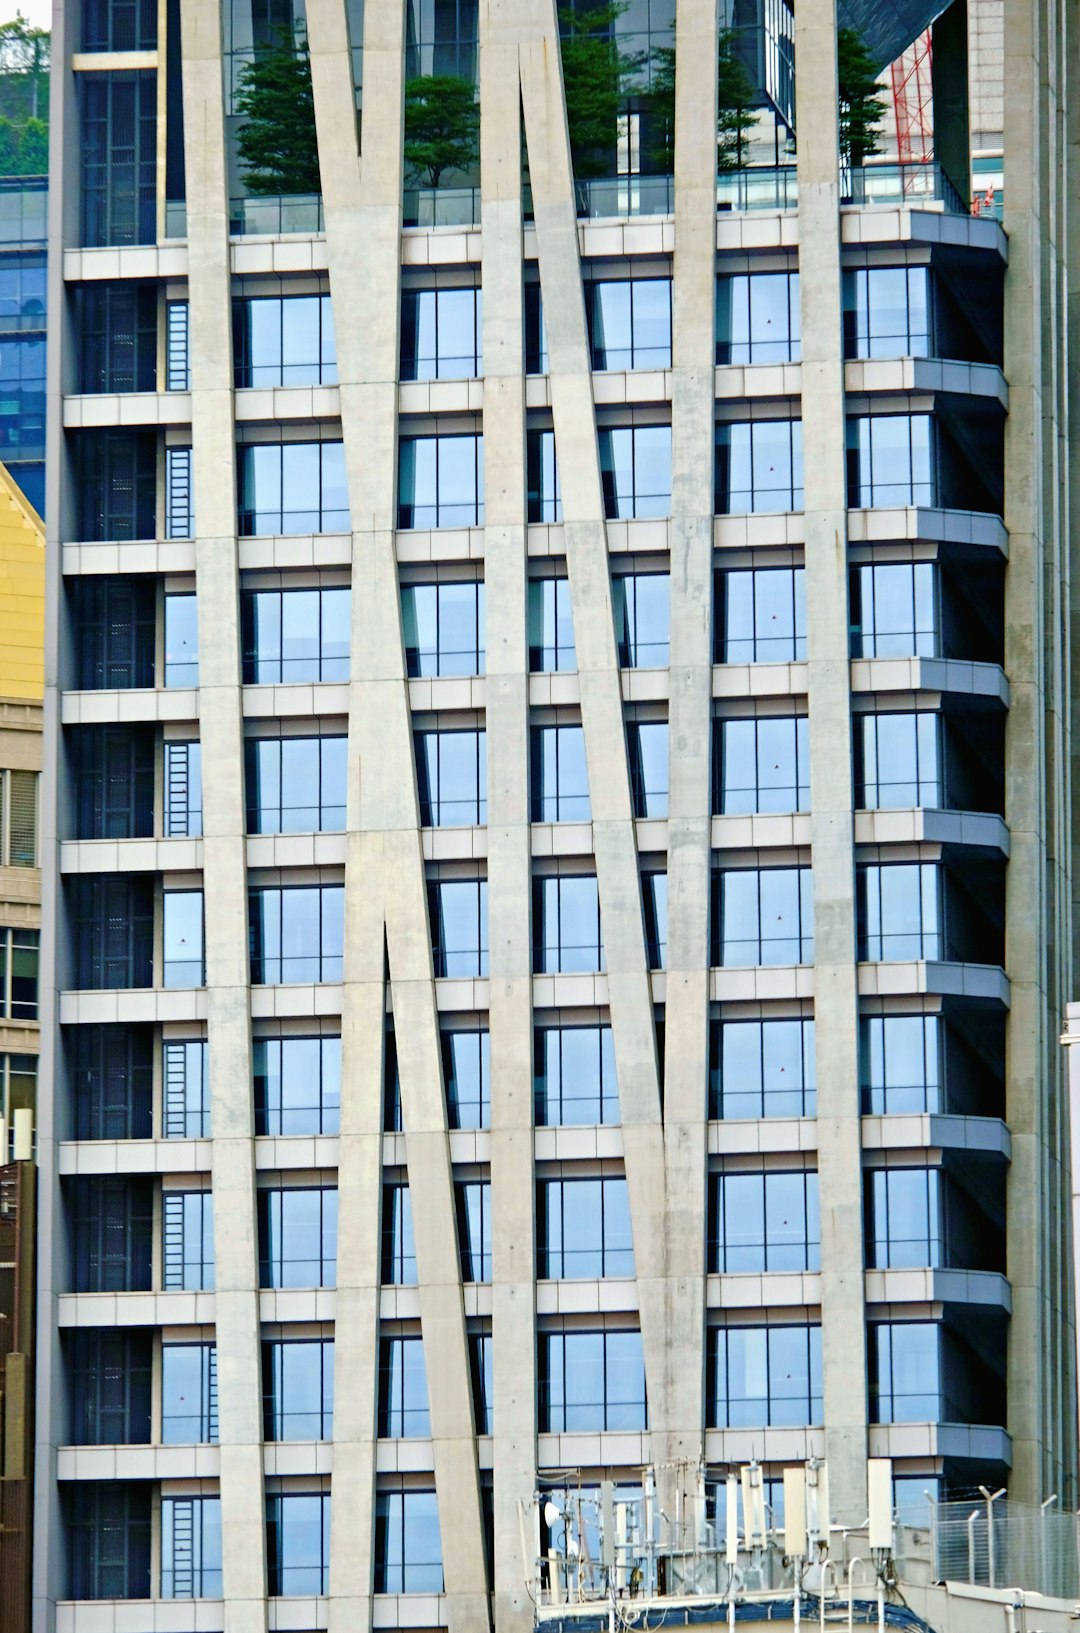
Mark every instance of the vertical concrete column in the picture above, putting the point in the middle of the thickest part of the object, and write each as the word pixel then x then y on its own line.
pixel 831 796
pixel 363 228
pixel 50 1566
pixel 224 851
pixel 1038 934
pixel 509 856
pixel 690 723
pixel 585 535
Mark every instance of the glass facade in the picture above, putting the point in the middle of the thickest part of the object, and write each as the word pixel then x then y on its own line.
pixel 327 738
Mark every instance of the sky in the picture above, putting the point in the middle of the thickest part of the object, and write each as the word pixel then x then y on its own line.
pixel 38 12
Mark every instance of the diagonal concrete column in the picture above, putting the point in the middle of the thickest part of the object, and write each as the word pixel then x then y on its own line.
pixel 689 729
pixel 585 535
pixel 508 834
pixel 213 436
pixel 831 793
pixel 362 207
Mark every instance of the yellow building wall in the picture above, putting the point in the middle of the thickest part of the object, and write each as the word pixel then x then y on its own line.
pixel 22 595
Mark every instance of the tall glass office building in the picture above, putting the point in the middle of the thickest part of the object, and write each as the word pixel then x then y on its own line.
pixel 557 820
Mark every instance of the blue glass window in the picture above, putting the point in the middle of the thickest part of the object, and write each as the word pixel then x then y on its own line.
pixel 591 1381
pixel 295 784
pixel 635 470
pixel 483 1383
pixel 298 1236
pixel 894 610
pixel 188 1241
pixel 403 1394
pixel 296 933
pixel 298 1543
pixel 583 1229
pixel 183 790
pixel 474 1228
pixel 566 925
pixel 761 616
pixel 899 911
pixel 191 1548
pixel 759 466
pixel 186 1074
pixel 295 635
pixel 293 487
pixel 551 625
pixel 398 1246
pixel 451 777
pixel 761 764
pixel 762 1222
pixel 298 1389
pixel 297 1085
pixel 408 1552
pixel 904 1360
pixel 574 1076
pixel 441 481
pixel 654 903
pixel 284 342
pixel 757 318
pixel 887 312
pixel 560 778
pixel 629 322
pixel 889 460
pixel 444 628
pixel 467 1074
pixel 441 333
pixel 458 913
pixel 542 477
pixel 762 1069
pixel 763 916
pixel 647 750
pixel 642 607
pixel 189 1409
pixel 905 1223
pixel 901 1064
pixel 898 761
pixel 765 1376
pixel 181 641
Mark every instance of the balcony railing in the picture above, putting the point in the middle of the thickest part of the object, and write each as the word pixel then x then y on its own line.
pixel 24 210
pixel 902 184
pixel 441 207
pixel 764 187
pixel 276 215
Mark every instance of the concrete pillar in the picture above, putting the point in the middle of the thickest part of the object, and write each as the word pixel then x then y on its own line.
pixel 1038 44
pixel 363 228
pixel 508 833
pixel 585 536
pixel 690 730
pixel 224 850
pixel 831 795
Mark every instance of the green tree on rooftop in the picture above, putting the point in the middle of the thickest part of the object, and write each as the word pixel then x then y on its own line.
pixel 442 125
pixel 596 81
pixel 862 106
pixel 279 152
pixel 735 107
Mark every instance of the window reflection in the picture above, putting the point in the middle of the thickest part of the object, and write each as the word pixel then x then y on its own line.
pixel 293 487
pixel 284 341
pixel 757 318
pixel 761 615
pixel 441 334
pixel 759 466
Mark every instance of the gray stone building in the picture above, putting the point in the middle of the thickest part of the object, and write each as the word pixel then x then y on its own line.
pixel 556 818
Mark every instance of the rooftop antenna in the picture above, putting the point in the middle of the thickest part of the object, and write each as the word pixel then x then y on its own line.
pixel 795 1530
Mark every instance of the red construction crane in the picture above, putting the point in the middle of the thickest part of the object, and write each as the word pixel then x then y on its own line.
pixel 913 101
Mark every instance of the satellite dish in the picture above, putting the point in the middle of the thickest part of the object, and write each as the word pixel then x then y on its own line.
pixel 552 1515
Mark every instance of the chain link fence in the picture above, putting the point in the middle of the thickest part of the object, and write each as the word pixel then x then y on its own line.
pixel 1000 1544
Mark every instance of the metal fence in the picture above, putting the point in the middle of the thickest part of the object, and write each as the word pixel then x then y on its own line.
pixel 1000 1544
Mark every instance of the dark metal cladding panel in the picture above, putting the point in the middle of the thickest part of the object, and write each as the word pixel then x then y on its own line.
pixel 888 26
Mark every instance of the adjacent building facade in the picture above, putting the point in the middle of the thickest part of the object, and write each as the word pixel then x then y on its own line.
pixel 557 816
